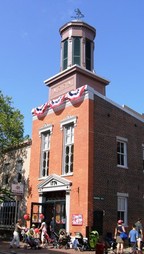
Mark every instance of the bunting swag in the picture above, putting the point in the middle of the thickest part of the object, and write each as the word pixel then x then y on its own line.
pixel 55 103
pixel 72 95
pixel 40 110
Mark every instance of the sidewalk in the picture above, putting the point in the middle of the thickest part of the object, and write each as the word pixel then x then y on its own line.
pixel 4 249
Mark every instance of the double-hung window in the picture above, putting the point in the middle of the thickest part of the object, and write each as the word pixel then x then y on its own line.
pixel 122 200
pixel 45 150
pixel 19 164
pixel 121 152
pixel 68 150
pixel 68 144
pixel 6 173
pixel 143 155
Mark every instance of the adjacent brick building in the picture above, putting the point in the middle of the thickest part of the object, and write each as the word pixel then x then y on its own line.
pixel 14 176
pixel 87 154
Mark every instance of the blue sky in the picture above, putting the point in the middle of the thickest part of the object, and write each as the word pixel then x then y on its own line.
pixel 30 48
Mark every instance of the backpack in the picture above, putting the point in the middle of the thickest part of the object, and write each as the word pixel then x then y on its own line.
pixel 123 235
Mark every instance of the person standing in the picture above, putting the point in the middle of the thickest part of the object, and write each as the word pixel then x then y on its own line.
pixel 16 234
pixel 139 229
pixel 52 228
pixel 118 230
pixel 43 229
pixel 133 236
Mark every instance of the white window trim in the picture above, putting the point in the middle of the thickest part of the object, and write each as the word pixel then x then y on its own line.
pixel 118 138
pixel 120 194
pixel 67 120
pixel 45 128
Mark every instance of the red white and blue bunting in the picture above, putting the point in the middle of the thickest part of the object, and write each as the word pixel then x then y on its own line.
pixel 71 96
pixel 74 95
pixel 57 102
pixel 40 110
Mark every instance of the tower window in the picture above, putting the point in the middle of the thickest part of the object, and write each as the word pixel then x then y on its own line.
pixel 65 54
pixel 76 50
pixel 88 54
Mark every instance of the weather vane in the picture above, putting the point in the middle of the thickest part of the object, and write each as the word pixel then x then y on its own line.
pixel 78 15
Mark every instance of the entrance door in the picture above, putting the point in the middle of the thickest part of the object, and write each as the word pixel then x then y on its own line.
pixel 98 221
pixel 52 208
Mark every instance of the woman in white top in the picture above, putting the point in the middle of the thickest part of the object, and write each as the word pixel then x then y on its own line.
pixel 43 229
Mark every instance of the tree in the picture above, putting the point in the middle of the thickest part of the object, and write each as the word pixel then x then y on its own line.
pixel 5 195
pixel 11 124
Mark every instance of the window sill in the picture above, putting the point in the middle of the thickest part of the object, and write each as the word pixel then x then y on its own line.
pixel 120 166
pixel 70 174
pixel 42 178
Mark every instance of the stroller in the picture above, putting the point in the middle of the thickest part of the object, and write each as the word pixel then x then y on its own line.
pixel 93 239
pixel 62 239
pixel 80 243
pixel 48 240
pixel 110 242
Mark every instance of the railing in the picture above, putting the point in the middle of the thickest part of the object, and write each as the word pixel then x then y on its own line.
pixel 8 214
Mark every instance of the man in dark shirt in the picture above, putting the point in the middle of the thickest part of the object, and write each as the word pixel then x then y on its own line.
pixel 52 228
pixel 139 229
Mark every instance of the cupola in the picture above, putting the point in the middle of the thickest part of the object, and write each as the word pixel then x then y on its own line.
pixel 77 45
pixel 76 60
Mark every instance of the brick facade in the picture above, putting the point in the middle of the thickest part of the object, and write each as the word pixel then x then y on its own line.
pixel 92 189
pixel 109 179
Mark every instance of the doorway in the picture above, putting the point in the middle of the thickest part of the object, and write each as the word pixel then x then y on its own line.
pixel 98 221
pixel 50 208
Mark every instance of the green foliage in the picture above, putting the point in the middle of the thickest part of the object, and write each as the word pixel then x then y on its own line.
pixel 11 124
pixel 5 195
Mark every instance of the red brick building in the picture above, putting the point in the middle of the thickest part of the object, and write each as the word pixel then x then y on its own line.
pixel 87 154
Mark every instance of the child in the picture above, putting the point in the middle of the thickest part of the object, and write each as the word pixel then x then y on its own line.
pixel 133 235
